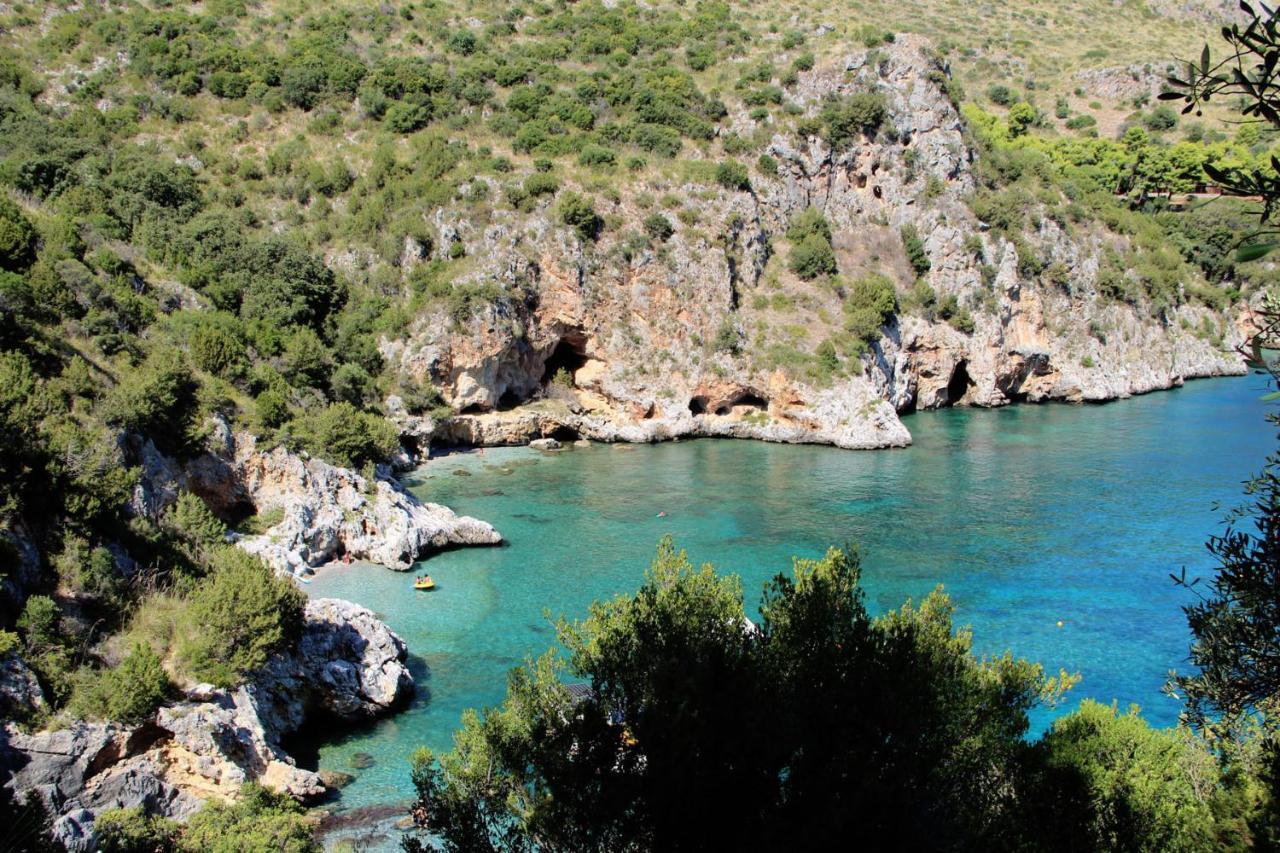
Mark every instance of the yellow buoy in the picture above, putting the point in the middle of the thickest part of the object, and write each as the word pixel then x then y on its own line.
pixel 1059 623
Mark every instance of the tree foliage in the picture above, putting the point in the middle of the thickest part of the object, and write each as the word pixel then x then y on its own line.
pixel 236 618
pixel 346 435
pixel 701 729
pixel 845 119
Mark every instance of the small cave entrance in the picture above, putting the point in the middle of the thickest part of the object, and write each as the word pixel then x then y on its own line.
pixel 746 398
pixel 508 401
pixel 563 433
pixel 698 405
pixel 474 409
pixel 568 355
pixel 959 383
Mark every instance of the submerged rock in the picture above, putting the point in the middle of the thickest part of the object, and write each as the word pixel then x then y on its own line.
pixel 336 780
pixel 361 760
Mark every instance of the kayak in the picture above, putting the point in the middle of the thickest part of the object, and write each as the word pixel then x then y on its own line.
pixel 424 583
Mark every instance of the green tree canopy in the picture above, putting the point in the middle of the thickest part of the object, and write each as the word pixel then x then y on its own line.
pixel 237 617
pixel 701 730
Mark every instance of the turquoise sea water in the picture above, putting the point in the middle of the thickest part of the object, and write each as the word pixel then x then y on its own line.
pixel 1028 515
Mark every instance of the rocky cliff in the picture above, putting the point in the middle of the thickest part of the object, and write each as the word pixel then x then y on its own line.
pixel 682 338
pixel 325 512
pixel 348 665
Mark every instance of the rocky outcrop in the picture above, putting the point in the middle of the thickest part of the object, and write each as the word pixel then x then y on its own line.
pixel 20 693
pixel 87 768
pixel 326 512
pixel 708 333
pixel 348 665
pixel 1127 83
pixel 330 512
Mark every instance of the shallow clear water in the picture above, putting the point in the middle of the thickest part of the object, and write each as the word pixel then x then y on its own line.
pixel 1028 515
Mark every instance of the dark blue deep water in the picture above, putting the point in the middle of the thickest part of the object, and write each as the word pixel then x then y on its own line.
pixel 1027 515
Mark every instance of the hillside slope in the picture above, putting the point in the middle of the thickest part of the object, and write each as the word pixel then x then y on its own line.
pixel 709 333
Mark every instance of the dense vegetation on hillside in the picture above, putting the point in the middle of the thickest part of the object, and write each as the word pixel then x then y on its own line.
pixel 820 725
pixel 220 209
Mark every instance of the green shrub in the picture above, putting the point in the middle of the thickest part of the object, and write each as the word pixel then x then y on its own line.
pixel 726 339
pixel 597 155
pixel 847 118
pixel 236 618
pixel 351 383
pixel 658 227
pixel 40 625
pixel 157 400
pixel 191 519
pixel 128 693
pixel 1160 119
pixel 402 117
pixel 17 237
pixel 962 320
pixel 135 831
pixel 873 36
pixel 807 222
pixel 1022 117
pixel 1000 94
pixel 541 183
pixel 732 175
pixel 346 436
pixel 914 247
pixel 812 257
pixel 217 346
pixel 271 408
pixel 828 359
pixel 1110 781
pixel 868 305
pixel 463 42
pixel 258 820
pixel 811 252
pixel 580 215
pixel 657 138
pixel 306 361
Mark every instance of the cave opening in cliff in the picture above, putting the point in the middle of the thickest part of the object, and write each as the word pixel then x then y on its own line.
pixel 959 383
pixel 234 514
pixel 698 405
pixel 508 401
pixel 569 355
pixel 564 433
pixel 749 399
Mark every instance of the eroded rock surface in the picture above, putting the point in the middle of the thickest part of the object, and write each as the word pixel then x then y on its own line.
pixel 623 342
pixel 326 512
pixel 348 665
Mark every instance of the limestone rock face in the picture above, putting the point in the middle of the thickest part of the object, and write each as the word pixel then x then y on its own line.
pixel 20 693
pixel 219 744
pixel 327 511
pixel 331 511
pixel 88 768
pixel 347 665
pixel 354 662
pixel 702 334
